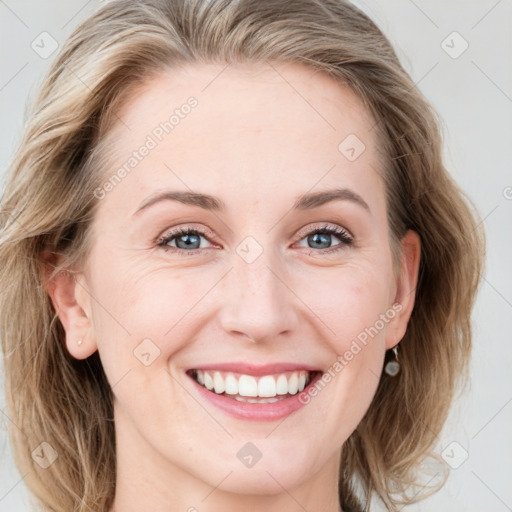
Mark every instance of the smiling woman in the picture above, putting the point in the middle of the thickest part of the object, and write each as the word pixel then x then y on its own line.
pixel 215 325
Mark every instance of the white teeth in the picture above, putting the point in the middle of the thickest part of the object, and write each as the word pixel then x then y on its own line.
pixel 247 386
pixel 302 382
pixel 266 386
pixel 258 400
pixel 231 385
pixel 293 384
pixel 208 381
pixel 218 383
pixel 282 385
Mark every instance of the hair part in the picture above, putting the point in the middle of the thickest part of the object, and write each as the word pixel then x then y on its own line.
pixel 48 206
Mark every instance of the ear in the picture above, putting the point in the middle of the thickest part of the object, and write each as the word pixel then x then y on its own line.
pixel 406 283
pixel 71 300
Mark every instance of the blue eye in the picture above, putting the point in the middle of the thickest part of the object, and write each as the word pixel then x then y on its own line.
pixel 189 239
pixel 320 238
pixel 186 239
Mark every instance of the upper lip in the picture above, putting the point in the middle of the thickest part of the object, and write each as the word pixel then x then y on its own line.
pixel 256 370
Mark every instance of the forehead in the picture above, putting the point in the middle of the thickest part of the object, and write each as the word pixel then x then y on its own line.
pixel 253 125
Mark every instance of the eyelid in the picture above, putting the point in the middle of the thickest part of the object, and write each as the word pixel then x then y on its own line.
pixel 320 225
pixel 332 229
pixel 203 231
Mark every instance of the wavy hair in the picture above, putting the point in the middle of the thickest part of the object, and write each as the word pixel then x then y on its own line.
pixel 48 205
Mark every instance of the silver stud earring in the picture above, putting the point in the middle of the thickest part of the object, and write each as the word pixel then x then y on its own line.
pixel 392 367
pixel 79 342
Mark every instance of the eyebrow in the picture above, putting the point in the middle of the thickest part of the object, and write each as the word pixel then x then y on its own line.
pixel 207 202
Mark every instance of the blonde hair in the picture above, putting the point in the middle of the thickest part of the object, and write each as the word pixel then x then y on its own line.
pixel 49 202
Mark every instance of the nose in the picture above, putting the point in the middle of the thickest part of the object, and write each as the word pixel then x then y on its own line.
pixel 257 302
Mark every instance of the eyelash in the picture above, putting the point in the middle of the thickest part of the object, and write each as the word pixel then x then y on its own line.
pixel 343 235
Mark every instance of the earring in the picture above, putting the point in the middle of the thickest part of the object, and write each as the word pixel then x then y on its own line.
pixel 393 367
pixel 79 342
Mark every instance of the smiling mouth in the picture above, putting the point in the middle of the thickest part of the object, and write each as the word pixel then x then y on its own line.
pixel 248 388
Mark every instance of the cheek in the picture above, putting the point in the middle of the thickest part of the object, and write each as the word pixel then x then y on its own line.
pixel 137 303
pixel 356 311
pixel 347 301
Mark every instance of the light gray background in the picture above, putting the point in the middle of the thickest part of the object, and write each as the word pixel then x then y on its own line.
pixel 473 94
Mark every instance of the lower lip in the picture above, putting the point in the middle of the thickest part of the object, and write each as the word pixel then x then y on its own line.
pixel 255 412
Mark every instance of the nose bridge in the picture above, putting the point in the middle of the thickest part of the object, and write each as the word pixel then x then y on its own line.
pixel 256 301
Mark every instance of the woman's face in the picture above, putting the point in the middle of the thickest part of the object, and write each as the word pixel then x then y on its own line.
pixel 257 290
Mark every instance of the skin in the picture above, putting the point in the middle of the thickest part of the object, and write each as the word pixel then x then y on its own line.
pixel 258 144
